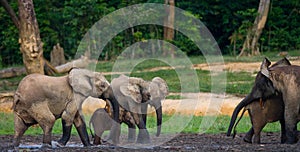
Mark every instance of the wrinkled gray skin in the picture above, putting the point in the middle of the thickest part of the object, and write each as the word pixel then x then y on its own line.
pixel 42 99
pixel 261 113
pixel 101 121
pixel 286 81
pixel 134 95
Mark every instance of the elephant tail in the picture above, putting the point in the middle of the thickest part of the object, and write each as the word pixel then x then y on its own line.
pixel 234 128
pixel 16 100
pixel 236 111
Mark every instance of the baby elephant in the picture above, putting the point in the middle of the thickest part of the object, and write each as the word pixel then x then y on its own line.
pixel 102 121
pixel 261 113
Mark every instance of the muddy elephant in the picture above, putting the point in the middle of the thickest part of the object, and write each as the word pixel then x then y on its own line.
pixel 260 115
pixel 261 112
pixel 134 95
pixel 41 99
pixel 286 81
pixel 101 121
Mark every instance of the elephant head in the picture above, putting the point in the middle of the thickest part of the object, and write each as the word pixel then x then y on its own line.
pixel 263 88
pixel 158 90
pixel 87 83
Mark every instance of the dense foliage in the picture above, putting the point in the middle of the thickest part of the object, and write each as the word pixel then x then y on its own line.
pixel 66 22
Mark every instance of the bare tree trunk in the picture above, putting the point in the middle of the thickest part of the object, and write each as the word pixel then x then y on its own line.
pixel 169 25
pixel 29 38
pixel 57 56
pixel 250 45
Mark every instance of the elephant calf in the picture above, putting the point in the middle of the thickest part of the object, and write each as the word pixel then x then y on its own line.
pixel 272 110
pixel 102 121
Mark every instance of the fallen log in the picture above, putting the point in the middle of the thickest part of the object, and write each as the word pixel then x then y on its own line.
pixel 6 96
pixel 12 72
pixel 82 62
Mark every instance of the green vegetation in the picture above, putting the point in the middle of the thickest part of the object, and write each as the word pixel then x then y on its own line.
pixel 66 22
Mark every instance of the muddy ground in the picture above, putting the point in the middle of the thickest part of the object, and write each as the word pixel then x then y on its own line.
pixel 182 142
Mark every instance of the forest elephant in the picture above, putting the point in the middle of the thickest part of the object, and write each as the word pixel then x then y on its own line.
pixel 134 94
pixel 284 80
pixel 260 115
pixel 41 99
pixel 101 121
pixel 261 112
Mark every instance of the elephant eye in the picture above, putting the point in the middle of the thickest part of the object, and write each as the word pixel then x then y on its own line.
pixel 102 84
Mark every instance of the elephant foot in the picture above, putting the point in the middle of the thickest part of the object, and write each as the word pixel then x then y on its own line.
pixel 283 140
pixel 56 144
pixel 248 138
pixel 97 140
pixel 143 137
pixel 290 141
pixel 61 142
pixel 130 140
pixel 46 147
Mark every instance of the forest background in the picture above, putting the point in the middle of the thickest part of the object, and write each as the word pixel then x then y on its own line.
pixel 66 22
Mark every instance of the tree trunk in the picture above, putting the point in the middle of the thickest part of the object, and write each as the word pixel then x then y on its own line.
pixel 29 38
pixel 57 56
pixel 169 26
pixel 250 46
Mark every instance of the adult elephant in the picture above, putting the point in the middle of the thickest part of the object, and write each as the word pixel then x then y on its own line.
pixel 284 80
pixel 261 113
pixel 134 94
pixel 41 99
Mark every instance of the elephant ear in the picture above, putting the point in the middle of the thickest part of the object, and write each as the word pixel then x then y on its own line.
pixel 158 88
pixel 80 81
pixel 264 67
pixel 132 91
pixel 281 63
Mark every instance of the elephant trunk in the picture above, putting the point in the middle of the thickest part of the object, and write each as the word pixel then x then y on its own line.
pixel 236 111
pixel 159 119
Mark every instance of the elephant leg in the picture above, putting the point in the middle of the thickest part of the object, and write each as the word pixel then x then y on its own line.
pixel 291 134
pixel 45 119
pixel 114 134
pixel 20 128
pixel 291 125
pixel 131 132
pixel 249 135
pixel 257 131
pixel 143 136
pixel 81 129
pixel 66 133
pixel 283 131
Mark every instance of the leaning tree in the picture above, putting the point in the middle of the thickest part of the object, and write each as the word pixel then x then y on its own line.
pixel 250 46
